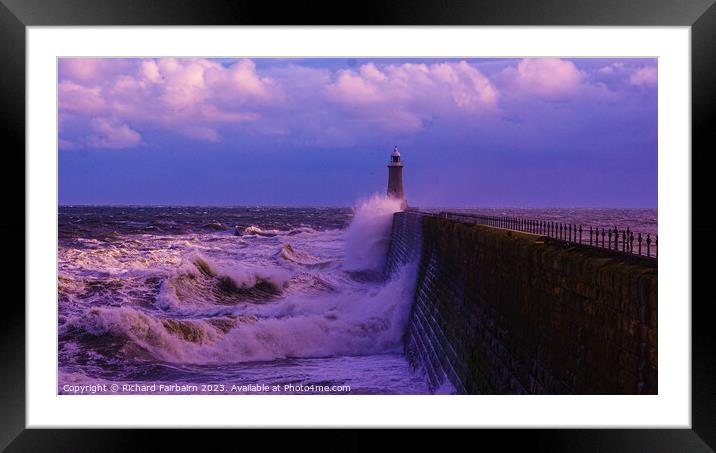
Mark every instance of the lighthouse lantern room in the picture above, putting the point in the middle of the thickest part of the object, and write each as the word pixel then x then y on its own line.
pixel 395 177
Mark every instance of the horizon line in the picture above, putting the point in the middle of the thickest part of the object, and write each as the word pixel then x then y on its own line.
pixel 160 205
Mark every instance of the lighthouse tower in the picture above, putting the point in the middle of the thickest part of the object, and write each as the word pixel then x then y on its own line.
pixel 395 178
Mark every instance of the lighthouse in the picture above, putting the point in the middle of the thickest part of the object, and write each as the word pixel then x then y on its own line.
pixel 395 178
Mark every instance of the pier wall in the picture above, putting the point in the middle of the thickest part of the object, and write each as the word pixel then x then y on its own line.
pixel 503 312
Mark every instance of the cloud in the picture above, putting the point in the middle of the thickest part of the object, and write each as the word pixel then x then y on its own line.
pixel 113 135
pixel 646 75
pixel 66 144
pixel 122 103
pixel 403 97
pixel 190 96
pixel 78 98
pixel 92 71
pixel 548 78
pixel 629 74
pixel 611 68
pixel 206 134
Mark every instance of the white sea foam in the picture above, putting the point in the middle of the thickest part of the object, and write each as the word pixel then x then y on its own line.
pixel 357 323
pixel 255 230
pixel 368 235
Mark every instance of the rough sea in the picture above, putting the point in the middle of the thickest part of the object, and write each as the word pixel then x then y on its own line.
pixel 205 300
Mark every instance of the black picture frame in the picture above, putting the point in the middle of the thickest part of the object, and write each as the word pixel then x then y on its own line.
pixel 16 15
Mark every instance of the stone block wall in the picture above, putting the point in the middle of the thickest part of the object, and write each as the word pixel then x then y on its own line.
pixel 502 312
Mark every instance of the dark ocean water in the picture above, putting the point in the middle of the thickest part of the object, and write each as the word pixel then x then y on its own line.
pixel 246 296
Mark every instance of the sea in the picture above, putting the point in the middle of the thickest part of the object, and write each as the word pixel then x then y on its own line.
pixel 244 300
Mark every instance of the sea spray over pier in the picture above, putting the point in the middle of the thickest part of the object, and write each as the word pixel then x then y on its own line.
pixel 368 235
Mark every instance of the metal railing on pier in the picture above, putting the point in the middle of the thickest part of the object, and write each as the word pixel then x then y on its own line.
pixel 619 240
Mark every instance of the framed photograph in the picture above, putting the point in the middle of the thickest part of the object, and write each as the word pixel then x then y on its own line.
pixel 439 215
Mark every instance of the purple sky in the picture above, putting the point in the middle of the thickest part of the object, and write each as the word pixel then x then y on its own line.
pixel 472 132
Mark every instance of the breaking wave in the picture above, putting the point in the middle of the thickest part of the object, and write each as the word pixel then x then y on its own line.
pixel 211 297
pixel 257 231
pixel 288 253
pixel 357 323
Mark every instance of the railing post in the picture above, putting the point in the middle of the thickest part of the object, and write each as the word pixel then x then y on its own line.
pixel 639 241
pixel 648 244
pixel 615 238
pixel 580 234
pixel 603 234
pixel 623 241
